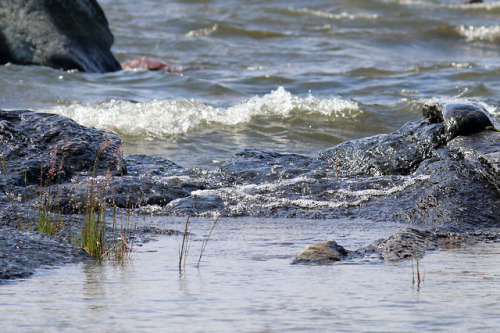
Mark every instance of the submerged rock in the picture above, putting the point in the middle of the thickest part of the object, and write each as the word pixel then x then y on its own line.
pixel 63 34
pixel 146 64
pixel 405 243
pixel 321 253
pixel 153 64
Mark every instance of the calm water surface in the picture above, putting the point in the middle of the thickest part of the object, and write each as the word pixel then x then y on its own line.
pixel 245 283
pixel 284 76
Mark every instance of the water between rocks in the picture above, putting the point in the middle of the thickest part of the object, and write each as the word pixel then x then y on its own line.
pixel 245 283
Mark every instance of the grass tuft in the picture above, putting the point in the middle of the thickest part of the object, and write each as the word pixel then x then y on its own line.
pixel 205 241
pixel 184 249
pixel 92 235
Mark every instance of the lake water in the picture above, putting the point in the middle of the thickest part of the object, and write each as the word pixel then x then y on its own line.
pixel 245 283
pixel 284 76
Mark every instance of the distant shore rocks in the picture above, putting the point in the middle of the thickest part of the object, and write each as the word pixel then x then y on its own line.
pixel 63 34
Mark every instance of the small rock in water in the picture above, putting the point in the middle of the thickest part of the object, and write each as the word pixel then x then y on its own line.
pixel 319 253
pixel 459 118
pixel 407 243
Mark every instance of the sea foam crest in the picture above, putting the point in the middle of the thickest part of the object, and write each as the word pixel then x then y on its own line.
pixel 203 32
pixel 454 5
pixel 169 117
pixel 337 16
pixel 472 33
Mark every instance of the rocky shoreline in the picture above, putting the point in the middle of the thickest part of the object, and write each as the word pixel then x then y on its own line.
pixel 441 186
pixel 23 252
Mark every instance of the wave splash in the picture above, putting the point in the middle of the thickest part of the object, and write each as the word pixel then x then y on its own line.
pixel 472 33
pixel 157 119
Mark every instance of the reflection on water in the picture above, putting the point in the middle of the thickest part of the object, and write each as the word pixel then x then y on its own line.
pixel 246 283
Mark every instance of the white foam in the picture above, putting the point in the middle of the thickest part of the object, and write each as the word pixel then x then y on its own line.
pixel 343 15
pixel 460 5
pixel 262 194
pixel 203 32
pixel 367 194
pixel 472 33
pixel 162 118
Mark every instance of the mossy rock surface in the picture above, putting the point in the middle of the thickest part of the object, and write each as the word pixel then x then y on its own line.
pixel 324 252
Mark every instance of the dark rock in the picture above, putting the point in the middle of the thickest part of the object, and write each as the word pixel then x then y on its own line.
pixel 48 146
pixel 398 153
pixel 458 118
pixel 63 34
pixel 412 176
pixel 22 252
pixel 145 165
pixel 457 194
pixel 255 166
pixel 407 243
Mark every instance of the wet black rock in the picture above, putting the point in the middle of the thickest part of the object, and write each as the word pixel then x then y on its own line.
pixel 458 118
pixel 22 252
pixel 251 166
pixel 398 153
pixel 146 165
pixel 48 146
pixel 63 34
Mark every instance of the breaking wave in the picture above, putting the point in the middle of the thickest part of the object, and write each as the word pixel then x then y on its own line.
pixel 472 33
pixel 159 119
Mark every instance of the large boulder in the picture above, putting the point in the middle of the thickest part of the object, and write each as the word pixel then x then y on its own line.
pixel 63 34
pixel 37 147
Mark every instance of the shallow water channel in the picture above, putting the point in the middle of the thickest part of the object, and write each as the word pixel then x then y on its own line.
pixel 245 283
